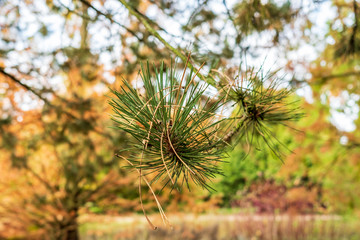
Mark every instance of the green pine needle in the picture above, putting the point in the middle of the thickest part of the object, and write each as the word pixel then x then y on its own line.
pixel 259 108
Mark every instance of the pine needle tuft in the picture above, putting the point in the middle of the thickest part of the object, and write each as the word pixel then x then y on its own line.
pixel 173 127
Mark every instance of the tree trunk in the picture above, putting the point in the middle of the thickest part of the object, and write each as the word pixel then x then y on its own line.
pixel 71 233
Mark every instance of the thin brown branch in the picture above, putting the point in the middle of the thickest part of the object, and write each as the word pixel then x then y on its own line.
pixel 353 42
pixel 326 78
pixel 17 81
pixel 46 101
pixel 108 16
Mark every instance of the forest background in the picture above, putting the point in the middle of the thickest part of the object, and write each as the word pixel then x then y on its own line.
pixel 59 58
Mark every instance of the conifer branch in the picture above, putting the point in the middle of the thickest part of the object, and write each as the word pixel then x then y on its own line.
pixel 151 30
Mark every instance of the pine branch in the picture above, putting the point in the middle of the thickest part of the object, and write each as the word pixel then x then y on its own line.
pixel 260 108
pixel 172 129
pixel 177 52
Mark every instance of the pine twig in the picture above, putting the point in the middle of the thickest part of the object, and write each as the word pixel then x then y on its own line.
pixel 144 21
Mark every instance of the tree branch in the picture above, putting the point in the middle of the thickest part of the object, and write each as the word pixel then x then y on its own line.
pixel 17 81
pixel 324 79
pixel 319 80
pixel 107 16
pixel 151 30
pixel 46 101
pixel 353 42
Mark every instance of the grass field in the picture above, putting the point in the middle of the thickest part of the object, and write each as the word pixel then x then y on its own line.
pixel 221 226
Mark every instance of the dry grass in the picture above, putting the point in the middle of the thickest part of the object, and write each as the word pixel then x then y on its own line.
pixel 227 227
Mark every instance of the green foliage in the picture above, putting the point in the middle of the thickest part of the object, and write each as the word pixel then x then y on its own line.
pixel 248 165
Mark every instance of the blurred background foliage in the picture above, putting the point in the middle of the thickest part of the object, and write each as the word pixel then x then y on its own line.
pixel 58 58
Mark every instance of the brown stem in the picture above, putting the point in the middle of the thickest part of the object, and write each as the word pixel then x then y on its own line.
pixel 17 81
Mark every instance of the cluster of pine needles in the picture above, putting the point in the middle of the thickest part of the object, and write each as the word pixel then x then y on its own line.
pixel 260 104
pixel 174 128
pixel 179 129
